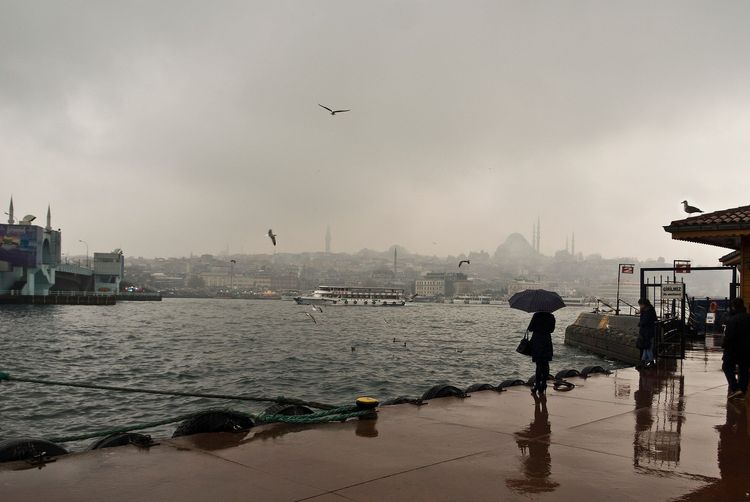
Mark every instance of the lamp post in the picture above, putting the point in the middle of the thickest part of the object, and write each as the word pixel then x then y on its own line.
pixel 87 251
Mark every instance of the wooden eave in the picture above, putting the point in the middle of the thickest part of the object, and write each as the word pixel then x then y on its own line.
pixel 725 236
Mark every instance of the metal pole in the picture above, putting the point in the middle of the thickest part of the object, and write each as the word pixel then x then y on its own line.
pixel 87 251
pixel 617 306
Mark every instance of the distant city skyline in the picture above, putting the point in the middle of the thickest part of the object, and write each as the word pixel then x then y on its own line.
pixel 534 241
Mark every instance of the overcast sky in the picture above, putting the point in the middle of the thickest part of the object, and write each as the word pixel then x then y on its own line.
pixel 172 127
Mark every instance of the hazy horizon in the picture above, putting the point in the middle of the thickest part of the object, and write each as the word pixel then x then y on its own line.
pixel 176 127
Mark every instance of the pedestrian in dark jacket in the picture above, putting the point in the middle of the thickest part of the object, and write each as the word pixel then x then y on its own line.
pixel 646 332
pixel 541 326
pixel 736 347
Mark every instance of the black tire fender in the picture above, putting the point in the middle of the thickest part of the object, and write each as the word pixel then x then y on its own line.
pixel 26 448
pixel 442 391
pixel 214 421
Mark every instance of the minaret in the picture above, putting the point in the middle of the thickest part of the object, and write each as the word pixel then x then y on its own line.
pixel 533 236
pixel 567 248
pixel 328 239
pixel 573 244
pixel 395 261
pixel 10 212
pixel 538 234
pixel 48 228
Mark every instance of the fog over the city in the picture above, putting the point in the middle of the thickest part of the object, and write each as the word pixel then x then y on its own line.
pixel 172 127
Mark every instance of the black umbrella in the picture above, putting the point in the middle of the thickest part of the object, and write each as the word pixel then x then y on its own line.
pixel 536 300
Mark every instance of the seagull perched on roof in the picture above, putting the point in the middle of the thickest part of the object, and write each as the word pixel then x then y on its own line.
pixel 690 209
pixel 468 262
pixel 333 112
pixel 272 236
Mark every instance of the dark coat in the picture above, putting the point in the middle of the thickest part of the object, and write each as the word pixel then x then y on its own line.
pixel 541 326
pixel 647 324
pixel 736 342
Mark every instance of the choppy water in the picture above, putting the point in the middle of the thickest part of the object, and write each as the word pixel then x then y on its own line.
pixel 247 347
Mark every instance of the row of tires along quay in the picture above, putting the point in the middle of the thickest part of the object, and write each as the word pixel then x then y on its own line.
pixel 41 451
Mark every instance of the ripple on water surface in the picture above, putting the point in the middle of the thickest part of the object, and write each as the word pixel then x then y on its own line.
pixel 241 347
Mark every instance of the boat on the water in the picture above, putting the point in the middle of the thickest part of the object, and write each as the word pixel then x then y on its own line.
pixel 351 296
pixel 472 299
pixel 577 301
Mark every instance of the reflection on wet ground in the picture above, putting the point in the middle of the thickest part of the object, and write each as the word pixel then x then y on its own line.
pixel 665 433
pixel 534 441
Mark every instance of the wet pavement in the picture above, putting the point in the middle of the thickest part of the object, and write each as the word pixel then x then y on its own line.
pixel 666 433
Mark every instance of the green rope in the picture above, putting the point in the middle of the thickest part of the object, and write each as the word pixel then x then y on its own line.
pixel 118 430
pixel 279 399
pixel 328 413
pixel 334 415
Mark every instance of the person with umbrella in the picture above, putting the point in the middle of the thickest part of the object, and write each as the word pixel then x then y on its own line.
pixel 542 303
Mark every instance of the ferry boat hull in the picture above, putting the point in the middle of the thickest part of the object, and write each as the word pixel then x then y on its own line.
pixel 354 296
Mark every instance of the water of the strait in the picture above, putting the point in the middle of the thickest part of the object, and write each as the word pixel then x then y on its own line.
pixel 239 347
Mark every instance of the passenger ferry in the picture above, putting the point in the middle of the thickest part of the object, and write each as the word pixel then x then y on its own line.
pixel 350 296
pixel 471 300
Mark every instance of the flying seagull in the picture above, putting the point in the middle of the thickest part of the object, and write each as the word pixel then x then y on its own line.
pixel 690 209
pixel 308 314
pixel 333 112
pixel 468 262
pixel 272 236
pixel 316 308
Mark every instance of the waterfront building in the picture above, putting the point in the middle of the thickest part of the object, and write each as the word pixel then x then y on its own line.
pixel 285 281
pixel 453 283
pixel 28 255
pixel 429 287
pixel 109 269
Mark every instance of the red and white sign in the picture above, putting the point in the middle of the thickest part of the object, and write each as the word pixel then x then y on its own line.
pixel 682 266
pixel 627 269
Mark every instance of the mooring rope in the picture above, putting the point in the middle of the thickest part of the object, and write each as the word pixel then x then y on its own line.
pixel 333 415
pixel 279 399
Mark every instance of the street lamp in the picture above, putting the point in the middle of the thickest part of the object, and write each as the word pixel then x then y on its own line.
pixel 87 251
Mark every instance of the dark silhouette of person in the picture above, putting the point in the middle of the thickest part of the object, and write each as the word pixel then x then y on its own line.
pixel 736 347
pixel 541 326
pixel 646 332
pixel 534 441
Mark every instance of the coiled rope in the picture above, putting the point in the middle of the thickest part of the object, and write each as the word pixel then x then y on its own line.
pixel 279 399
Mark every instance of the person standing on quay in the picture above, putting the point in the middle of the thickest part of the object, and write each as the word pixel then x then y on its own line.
pixel 541 326
pixel 646 332
pixel 736 347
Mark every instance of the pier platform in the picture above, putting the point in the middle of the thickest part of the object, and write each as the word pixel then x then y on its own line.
pixel 59 298
pixel 667 433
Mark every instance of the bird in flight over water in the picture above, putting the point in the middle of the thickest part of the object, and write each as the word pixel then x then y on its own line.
pixel 468 262
pixel 333 112
pixel 308 314
pixel 316 308
pixel 272 236
pixel 690 209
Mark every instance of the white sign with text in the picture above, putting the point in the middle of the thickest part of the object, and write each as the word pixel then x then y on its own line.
pixel 672 291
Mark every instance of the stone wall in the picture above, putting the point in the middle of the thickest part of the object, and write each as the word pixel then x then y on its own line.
pixel 605 335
